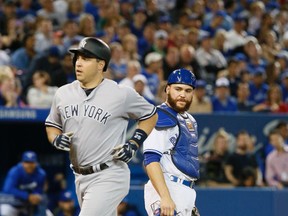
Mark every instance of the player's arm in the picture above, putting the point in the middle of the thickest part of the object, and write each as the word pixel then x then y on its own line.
pixel 156 177
pixel 11 185
pixel 59 140
pixel 126 151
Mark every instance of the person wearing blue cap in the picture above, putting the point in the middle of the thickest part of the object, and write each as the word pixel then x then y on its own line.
pixel 66 205
pixel 25 182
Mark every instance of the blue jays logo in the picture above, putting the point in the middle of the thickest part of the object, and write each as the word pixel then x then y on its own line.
pixel 179 78
pixel 173 139
pixel 82 44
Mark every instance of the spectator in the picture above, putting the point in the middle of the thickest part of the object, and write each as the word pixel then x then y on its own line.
pixel 153 71
pixel 118 63
pixel 276 162
pixel 48 61
pixel 242 95
pixel 232 73
pixel 160 43
pixel 146 41
pixel 7 11
pixel 53 10
pixel 201 102
pixel 282 127
pixel 71 34
pixel 43 35
pixel 41 94
pixel 26 182
pixel 130 47
pixel 270 46
pixel 66 205
pixel 273 73
pixel 253 51
pixel 273 103
pixel 188 60
pixel 214 160
pixel 210 59
pixel 140 85
pixel 10 89
pixel 22 57
pixel 221 100
pixel 87 26
pixel 240 159
pixel 138 21
pixel 75 10
pixel 133 68
pixel 25 10
pixel 258 87
pixel 235 37
pixel 65 74
pixel 171 61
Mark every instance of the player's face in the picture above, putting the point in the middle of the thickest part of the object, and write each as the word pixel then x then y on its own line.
pixel 179 96
pixel 29 167
pixel 88 70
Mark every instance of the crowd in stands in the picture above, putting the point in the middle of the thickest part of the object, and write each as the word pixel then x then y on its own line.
pixel 238 51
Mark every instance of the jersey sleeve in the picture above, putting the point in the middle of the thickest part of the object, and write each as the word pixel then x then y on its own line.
pixel 155 142
pixel 137 107
pixel 54 117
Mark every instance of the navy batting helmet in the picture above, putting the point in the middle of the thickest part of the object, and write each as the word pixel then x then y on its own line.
pixel 182 76
pixel 94 48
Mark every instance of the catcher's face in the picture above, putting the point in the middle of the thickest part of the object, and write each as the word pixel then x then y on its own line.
pixel 179 96
pixel 89 70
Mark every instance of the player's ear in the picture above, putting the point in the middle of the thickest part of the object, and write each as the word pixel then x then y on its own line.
pixel 101 63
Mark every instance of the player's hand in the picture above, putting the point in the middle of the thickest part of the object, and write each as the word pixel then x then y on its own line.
pixel 168 206
pixel 125 152
pixel 63 141
pixel 34 199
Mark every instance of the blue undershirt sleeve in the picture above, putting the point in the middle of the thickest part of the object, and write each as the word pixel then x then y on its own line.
pixel 150 157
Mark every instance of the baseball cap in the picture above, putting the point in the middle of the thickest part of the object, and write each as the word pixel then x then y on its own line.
pixel 139 77
pixel 66 196
pixel 240 57
pixel 165 19
pixel 54 51
pixel 161 34
pixel 200 84
pixel 152 57
pixel 251 38
pixel 29 156
pixel 222 82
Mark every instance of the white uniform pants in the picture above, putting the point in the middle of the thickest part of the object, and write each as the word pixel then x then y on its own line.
pixel 183 196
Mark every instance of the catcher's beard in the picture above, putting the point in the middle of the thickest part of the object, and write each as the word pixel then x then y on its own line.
pixel 173 104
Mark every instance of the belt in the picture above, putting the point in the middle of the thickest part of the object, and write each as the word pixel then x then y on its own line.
pixel 90 169
pixel 182 181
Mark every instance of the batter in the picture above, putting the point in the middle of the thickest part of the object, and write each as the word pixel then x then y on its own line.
pixel 89 118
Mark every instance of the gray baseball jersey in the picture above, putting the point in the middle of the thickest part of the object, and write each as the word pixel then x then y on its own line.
pixel 99 121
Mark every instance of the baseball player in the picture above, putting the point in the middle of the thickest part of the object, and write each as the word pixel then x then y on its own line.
pixel 171 151
pixel 25 181
pixel 89 118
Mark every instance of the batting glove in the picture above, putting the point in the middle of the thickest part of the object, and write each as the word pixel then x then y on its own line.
pixel 63 141
pixel 125 152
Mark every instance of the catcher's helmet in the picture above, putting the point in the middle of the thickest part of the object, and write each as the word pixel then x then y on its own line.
pixel 182 76
pixel 93 47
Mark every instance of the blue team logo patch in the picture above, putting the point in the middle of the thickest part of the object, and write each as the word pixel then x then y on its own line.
pixel 173 140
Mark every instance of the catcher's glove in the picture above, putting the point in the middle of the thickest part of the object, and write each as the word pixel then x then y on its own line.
pixel 63 141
